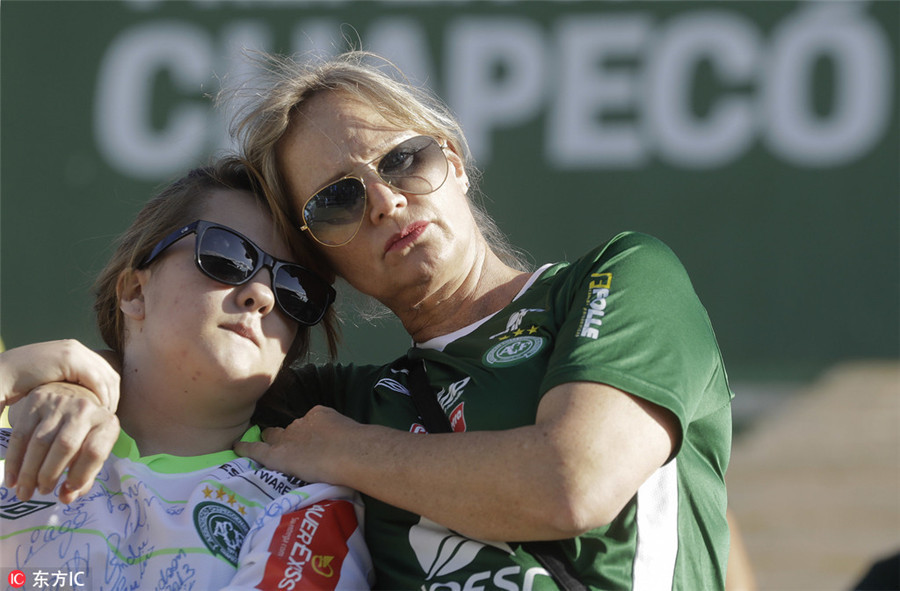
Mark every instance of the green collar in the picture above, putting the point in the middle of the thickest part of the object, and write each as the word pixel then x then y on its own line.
pixel 126 447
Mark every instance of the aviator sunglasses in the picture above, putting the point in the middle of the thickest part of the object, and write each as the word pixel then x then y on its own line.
pixel 229 257
pixel 334 214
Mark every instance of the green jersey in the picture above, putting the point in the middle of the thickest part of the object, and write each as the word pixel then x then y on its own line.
pixel 625 315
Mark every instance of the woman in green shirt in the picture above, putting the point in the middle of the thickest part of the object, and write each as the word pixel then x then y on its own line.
pixel 588 402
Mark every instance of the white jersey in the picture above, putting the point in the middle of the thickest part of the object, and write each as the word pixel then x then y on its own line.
pixel 216 521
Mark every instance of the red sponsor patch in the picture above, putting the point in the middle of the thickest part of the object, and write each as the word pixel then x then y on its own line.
pixel 417 428
pixel 458 419
pixel 309 547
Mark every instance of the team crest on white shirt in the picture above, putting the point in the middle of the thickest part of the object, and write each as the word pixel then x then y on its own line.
pixel 221 528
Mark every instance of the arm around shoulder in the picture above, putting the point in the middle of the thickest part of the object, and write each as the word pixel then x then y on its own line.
pixel 603 444
pixel 24 368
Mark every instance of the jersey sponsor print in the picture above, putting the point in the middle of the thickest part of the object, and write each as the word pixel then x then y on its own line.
pixel 442 554
pixel 304 553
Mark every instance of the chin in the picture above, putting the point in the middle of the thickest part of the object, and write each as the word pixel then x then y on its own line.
pixel 247 381
pixel 243 366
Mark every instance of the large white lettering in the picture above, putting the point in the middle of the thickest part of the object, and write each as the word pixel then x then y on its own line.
pixel 238 40
pixel 405 41
pixel 315 36
pixel 859 54
pixel 505 579
pixel 495 76
pixel 731 46
pixel 616 90
pixel 502 582
pixel 124 109
pixel 591 92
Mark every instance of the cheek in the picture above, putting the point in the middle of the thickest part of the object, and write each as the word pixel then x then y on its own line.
pixel 282 332
pixel 290 335
pixel 341 259
pixel 162 304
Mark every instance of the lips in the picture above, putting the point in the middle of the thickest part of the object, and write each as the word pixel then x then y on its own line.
pixel 405 238
pixel 242 330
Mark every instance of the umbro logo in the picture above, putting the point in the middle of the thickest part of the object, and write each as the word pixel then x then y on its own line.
pixel 22 508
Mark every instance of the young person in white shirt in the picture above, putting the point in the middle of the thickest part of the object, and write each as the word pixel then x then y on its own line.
pixel 202 310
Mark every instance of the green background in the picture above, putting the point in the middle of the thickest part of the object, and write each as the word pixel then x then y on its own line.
pixel 797 258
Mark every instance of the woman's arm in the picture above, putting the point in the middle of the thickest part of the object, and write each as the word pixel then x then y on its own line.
pixel 25 368
pixel 590 450
pixel 58 426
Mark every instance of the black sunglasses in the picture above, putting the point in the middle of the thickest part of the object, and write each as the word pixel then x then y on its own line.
pixel 228 256
pixel 334 213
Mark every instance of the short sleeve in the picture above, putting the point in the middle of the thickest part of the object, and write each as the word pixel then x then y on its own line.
pixel 631 319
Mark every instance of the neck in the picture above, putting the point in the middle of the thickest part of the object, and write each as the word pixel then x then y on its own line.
pixel 166 417
pixel 489 286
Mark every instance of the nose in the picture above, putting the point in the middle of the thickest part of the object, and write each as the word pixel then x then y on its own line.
pixel 384 200
pixel 256 295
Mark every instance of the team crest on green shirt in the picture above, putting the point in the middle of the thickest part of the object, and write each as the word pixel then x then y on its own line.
pixel 513 351
pixel 221 528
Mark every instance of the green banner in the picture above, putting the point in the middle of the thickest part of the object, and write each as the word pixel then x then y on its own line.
pixel 759 139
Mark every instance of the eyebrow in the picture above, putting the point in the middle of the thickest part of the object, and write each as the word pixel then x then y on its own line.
pixel 386 149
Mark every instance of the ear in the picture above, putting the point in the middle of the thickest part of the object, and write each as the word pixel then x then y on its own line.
pixel 130 291
pixel 459 167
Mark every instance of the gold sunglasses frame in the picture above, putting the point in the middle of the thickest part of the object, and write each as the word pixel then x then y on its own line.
pixel 373 164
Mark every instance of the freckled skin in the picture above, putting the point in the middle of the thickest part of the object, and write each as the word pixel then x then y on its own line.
pixel 196 330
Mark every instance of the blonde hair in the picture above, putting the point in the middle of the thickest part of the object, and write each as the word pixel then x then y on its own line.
pixel 179 204
pixel 286 85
